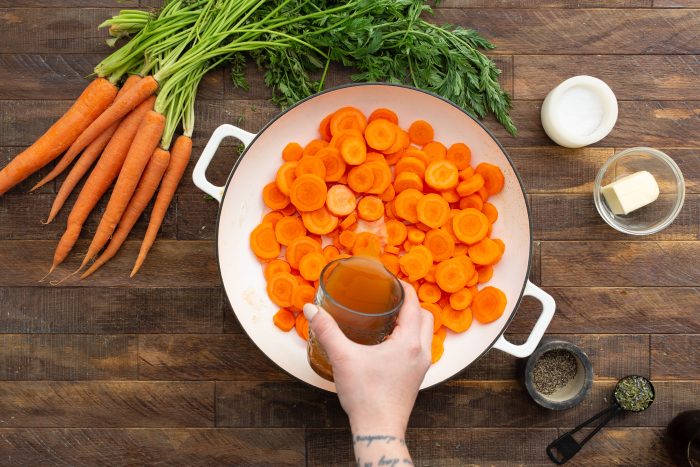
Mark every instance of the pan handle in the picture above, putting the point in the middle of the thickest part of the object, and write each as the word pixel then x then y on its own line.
pixel 548 308
pixel 199 174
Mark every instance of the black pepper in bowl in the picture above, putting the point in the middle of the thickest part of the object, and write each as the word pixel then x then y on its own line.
pixel 554 370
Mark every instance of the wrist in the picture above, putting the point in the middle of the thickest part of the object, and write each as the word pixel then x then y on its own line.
pixel 374 427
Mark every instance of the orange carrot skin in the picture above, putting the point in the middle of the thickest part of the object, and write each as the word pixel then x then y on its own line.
pixel 145 190
pixel 94 148
pixel 180 157
pixel 99 181
pixel 92 102
pixel 122 106
pixel 145 142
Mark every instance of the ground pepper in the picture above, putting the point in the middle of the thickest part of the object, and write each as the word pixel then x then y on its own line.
pixel 553 371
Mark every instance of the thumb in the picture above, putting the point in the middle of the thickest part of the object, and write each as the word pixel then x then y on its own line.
pixel 326 330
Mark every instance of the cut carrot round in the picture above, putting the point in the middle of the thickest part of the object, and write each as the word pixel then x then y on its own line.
pixel 320 221
pixel 299 248
pixel 370 208
pixel 451 195
pixel 402 142
pixel 380 134
pixel 433 210
pixel 414 266
pixel 310 165
pixel 460 155
pixel 437 349
pixel 275 266
pixel 452 275
pixel 440 243
pixel 436 311
pixel 421 132
pixel 429 293
pixel 333 163
pixel 353 150
pixel 410 164
pixel 395 232
pixel 347 238
pixel 489 304
pixel 493 177
pixel 273 197
pixel 385 114
pixel 485 252
pixel 441 175
pixel 331 252
pixel 324 128
pixel 263 242
pixel 292 152
pixel 382 177
pixel 302 326
pixel 391 262
pixel 470 225
pixel 349 221
pixel 340 200
pixel 280 288
pixel 272 217
pixel 456 320
pixel 367 244
pixel 289 228
pixel 470 185
pixel 347 118
pixel 285 177
pixel 490 212
pixel 466 174
pixel 435 151
pixel 361 178
pixel 461 299
pixel 405 204
pixel 471 201
pixel 408 180
pixel 310 266
pixel 313 147
pixel 308 192
pixel 284 319
pixel 485 273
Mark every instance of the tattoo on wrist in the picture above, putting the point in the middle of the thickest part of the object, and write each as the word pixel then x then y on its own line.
pixel 369 439
pixel 390 461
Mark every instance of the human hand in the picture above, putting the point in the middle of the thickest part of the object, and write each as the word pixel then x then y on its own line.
pixel 377 384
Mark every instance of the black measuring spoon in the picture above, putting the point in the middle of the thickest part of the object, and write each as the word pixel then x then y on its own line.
pixel 632 394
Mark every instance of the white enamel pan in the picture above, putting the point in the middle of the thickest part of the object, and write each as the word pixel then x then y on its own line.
pixel 241 208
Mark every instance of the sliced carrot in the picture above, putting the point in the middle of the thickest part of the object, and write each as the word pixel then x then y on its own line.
pixel 402 142
pixel 493 177
pixel 490 212
pixel 471 201
pixel 272 217
pixel 367 244
pixel 338 139
pixel 275 266
pixel 290 210
pixel 394 250
pixel 410 164
pixel 430 277
pixel 418 154
pixel 471 185
pixel 289 228
pixel 430 293
pixel 280 288
pixel 353 150
pixel 284 319
pixel 470 225
pixel 433 210
pixel 441 175
pixel 331 252
pixel 461 299
pixel 333 163
pixel 349 221
pixel 313 147
pixel 292 152
pixel 394 157
pixel 347 238
pixel 310 165
pixel 373 156
pixel 485 252
pixel 473 280
pixel 340 200
pixel 263 242
pixel 435 310
pixel 456 320
pixel 435 151
pixel 414 265
pixel 310 266
pixel 361 178
pixel 308 192
pixel 460 155
pixel 390 261
pixel 483 193
pixel 421 132
pixel 405 204
pixel 324 128
pixel 382 176
pixel 408 180
pixel 451 195
pixel 273 197
pixel 395 232
pixel 347 118
pixel 452 275
pixel 320 221
pixel 485 273
pixel 500 244
pixel 415 235
pixel 299 248
pixel 285 177
pixel 440 243
pixel 489 304
pixel 466 174
pixel 389 194
pixel 460 250
pixel 302 326
pixel 385 114
pixel 437 349
pixel 380 134
pixel 370 208
pixel 390 210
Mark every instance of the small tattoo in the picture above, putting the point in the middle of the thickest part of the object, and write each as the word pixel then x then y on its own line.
pixel 370 438
pixel 368 464
pixel 407 462
pixel 392 462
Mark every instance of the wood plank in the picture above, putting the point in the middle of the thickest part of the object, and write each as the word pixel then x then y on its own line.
pixel 108 310
pixel 197 217
pixel 574 217
pixel 535 268
pixel 9 153
pixel 616 310
pixel 620 264
pixel 169 264
pixel 204 357
pixel 98 404
pixel 23 215
pixel 676 3
pixel 560 31
pixel 442 447
pixel 67 357
pixel 689 163
pixel 151 446
pixel 545 4
pixel 231 324
pixel 218 170
pixel 655 77
pixel 250 115
pixel 54 30
pixel 628 446
pixel 675 356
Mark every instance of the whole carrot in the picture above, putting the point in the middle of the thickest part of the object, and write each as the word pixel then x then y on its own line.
pixel 141 150
pixel 122 106
pixel 93 149
pixel 179 158
pixel 145 190
pixel 99 181
pixel 92 102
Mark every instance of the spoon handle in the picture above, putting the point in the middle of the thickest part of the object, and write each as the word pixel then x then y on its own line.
pixel 565 447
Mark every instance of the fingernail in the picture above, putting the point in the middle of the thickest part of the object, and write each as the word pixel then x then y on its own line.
pixel 310 311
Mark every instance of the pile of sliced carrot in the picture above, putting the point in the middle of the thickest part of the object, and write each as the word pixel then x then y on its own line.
pixel 368 187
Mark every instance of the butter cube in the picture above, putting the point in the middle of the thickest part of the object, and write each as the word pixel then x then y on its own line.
pixel 631 192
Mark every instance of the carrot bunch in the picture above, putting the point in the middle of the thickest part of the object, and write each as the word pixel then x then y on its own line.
pixel 368 187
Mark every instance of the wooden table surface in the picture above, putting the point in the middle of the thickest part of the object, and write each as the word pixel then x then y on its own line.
pixel 157 370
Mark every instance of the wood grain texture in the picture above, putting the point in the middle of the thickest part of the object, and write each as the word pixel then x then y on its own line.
pixel 198 220
pixel 616 310
pixel 9 153
pixel 67 357
pixel 615 264
pixel 675 356
pixel 217 172
pixel 661 77
pixel 689 163
pixel 561 31
pixel 574 217
pixel 204 357
pixel 623 446
pixel 98 404
pixel 109 310
pixel 151 446
pixel 169 264
pixel 676 3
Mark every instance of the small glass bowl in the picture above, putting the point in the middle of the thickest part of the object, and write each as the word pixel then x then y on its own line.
pixel 655 216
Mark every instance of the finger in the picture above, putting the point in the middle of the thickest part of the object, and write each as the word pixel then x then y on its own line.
pixel 326 330
pixel 409 315
pixel 426 329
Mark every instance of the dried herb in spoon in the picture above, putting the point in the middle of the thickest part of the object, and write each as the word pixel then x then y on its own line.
pixel 634 393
